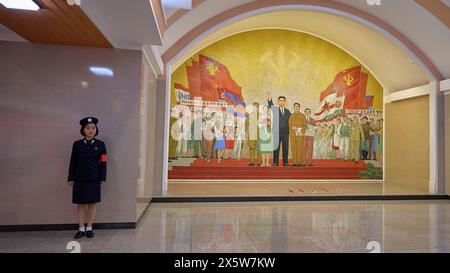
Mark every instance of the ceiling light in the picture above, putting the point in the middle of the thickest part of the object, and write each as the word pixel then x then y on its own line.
pixel 20 4
pixel 74 2
pixel 101 71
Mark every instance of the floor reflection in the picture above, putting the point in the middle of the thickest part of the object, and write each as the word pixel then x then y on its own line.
pixel 394 226
pixel 310 227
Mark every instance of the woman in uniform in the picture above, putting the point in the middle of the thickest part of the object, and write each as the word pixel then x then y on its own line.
pixel 87 171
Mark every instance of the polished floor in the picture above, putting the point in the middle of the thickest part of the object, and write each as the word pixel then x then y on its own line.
pixel 394 226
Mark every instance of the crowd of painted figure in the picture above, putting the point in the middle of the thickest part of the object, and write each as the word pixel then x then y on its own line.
pixel 217 134
pixel 352 138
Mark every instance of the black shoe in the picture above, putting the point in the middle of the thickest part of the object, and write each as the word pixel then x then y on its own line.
pixel 79 235
pixel 294 165
pixel 285 165
pixel 90 234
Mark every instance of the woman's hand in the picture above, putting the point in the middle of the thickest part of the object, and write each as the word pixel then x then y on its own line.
pixel 71 183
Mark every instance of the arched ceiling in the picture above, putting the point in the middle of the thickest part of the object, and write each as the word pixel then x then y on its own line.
pixel 388 62
pixel 384 38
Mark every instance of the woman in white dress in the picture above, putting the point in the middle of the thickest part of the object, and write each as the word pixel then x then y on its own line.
pixel 318 142
pixel 337 137
pixel 265 136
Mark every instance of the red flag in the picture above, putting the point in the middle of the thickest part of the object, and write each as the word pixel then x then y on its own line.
pixel 216 77
pixel 193 73
pixel 362 91
pixel 345 83
pixel 348 82
pixel 209 89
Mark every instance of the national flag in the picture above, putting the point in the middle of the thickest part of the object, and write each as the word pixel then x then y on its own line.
pixel 369 102
pixel 230 97
pixel 330 107
pixel 237 110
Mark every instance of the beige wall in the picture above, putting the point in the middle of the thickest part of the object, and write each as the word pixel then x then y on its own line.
pixel 160 125
pixel 447 144
pixel 407 142
pixel 150 111
pixel 42 99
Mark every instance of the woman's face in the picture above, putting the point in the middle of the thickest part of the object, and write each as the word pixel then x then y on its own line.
pixel 90 130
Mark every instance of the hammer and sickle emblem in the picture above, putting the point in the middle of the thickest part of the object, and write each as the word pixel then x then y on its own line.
pixel 212 69
pixel 281 63
pixel 348 80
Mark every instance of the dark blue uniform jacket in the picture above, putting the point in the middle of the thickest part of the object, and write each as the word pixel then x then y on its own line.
pixel 88 161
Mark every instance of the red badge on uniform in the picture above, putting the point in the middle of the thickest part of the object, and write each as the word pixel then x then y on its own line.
pixel 103 158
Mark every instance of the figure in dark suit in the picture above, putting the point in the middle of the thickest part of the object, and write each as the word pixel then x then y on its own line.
pixel 283 129
pixel 87 171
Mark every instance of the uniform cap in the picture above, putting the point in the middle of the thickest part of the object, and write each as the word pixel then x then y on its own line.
pixel 87 120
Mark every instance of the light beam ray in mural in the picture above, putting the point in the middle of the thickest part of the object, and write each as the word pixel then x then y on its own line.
pixel 278 63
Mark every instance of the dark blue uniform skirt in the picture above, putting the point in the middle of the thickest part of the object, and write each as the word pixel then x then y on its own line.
pixel 86 192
